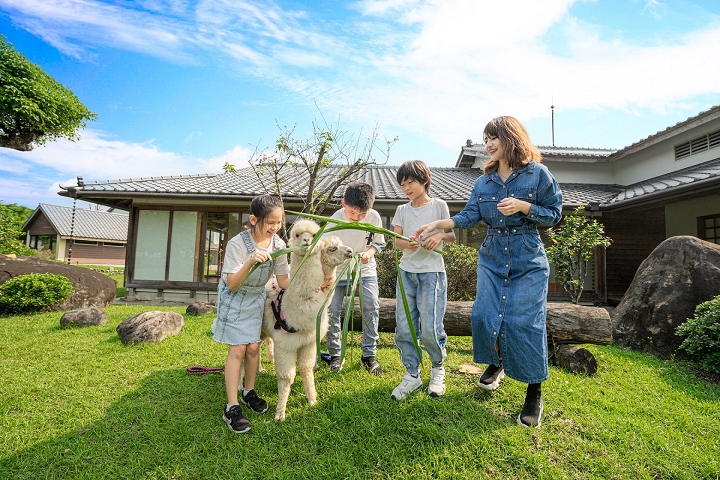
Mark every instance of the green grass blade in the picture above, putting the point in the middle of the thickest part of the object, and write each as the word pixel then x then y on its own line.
pixel 328 298
pixel 277 253
pixel 406 307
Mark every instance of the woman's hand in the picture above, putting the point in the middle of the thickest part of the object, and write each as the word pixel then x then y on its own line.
pixel 424 230
pixel 509 206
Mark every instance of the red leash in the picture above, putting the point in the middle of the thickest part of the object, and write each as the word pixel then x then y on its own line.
pixel 200 370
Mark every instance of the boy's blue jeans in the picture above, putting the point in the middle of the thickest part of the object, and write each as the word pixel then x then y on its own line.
pixel 371 309
pixel 426 294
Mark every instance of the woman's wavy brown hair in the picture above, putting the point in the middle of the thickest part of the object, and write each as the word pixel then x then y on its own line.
pixel 515 140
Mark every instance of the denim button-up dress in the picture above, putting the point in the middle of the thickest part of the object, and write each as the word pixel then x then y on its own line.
pixel 511 300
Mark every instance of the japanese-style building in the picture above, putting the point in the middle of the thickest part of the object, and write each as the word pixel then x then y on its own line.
pixel 665 185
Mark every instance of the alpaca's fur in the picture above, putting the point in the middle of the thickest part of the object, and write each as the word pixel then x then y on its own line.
pixel 301 303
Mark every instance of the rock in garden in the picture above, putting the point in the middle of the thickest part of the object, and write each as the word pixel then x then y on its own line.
pixel 681 273
pixel 84 317
pixel 90 288
pixel 201 308
pixel 153 326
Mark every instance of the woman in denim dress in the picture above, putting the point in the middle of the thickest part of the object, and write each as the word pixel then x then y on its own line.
pixel 515 195
pixel 241 302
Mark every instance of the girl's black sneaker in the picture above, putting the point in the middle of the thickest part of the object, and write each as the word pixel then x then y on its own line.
pixel 235 419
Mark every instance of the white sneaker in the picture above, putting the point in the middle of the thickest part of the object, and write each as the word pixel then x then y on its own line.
pixel 408 384
pixel 436 387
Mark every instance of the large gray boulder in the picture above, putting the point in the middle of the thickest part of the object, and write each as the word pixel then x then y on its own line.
pixel 90 288
pixel 153 326
pixel 83 317
pixel 681 273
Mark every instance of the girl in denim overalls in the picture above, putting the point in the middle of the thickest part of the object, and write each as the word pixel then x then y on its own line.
pixel 241 302
pixel 515 195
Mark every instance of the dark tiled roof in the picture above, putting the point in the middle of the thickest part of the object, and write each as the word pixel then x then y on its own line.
pixel 88 224
pixel 469 153
pixel 450 184
pixel 584 194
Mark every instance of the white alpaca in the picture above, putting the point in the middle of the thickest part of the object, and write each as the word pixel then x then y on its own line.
pixel 301 303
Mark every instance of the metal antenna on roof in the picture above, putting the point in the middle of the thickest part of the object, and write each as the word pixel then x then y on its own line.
pixel 552 114
pixel 72 232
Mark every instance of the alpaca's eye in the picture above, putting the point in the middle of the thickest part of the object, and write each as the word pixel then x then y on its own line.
pixel 333 249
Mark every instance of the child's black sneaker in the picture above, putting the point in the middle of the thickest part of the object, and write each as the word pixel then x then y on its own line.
pixel 252 400
pixel 235 419
pixel 372 365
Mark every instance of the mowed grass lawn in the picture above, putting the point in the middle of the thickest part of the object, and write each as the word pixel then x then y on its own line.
pixel 77 403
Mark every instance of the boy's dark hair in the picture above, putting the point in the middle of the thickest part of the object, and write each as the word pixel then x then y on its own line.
pixel 415 170
pixel 263 205
pixel 360 195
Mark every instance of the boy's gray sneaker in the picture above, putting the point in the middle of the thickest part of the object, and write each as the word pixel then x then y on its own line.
pixel 436 387
pixel 490 379
pixel 335 364
pixel 409 384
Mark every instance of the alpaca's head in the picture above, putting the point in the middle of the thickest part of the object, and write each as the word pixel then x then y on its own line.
pixel 302 233
pixel 333 252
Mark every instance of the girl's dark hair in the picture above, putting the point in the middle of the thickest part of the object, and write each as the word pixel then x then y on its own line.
pixel 415 170
pixel 515 140
pixel 264 205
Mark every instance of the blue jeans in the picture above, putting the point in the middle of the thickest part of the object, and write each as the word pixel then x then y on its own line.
pixel 426 295
pixel 371 309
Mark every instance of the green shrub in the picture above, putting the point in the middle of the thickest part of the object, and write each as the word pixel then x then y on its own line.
pixel 28 293
pixel 702 334
pixel 460 266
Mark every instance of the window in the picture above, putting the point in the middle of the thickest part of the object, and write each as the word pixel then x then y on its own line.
pixel 709 228
pixel 85 242
pixel 113 244
pixel 43 242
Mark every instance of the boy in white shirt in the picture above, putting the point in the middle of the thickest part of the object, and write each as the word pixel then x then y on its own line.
pixel 424 279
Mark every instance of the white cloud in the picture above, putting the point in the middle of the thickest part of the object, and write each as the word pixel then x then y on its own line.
pixel 434 67
pixel 33 176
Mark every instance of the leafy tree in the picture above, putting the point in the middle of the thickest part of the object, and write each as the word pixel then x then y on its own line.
pixel 574 242
pixel 299 165
pixel 12 218
pixel 34 107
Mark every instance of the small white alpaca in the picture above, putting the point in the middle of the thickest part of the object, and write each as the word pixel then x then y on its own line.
pixel 294 341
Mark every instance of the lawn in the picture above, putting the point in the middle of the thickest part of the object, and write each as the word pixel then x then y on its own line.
pixel 77 403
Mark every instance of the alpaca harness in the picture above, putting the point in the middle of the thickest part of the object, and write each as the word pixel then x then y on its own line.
pixel 279 314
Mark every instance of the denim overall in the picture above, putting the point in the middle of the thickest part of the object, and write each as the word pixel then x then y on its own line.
pixel 240 313
pixel 510 305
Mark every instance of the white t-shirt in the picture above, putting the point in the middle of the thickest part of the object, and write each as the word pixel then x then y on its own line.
pixel 360 241
pixel 236 254
pixel 410 219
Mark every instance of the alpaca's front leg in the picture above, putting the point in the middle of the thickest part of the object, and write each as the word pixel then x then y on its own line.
pixel 285 371
pixel 306 366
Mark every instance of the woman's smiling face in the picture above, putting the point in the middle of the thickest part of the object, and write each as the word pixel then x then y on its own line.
pixel 494 148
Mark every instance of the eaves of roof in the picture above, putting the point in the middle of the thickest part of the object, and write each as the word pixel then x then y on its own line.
pixel 680 127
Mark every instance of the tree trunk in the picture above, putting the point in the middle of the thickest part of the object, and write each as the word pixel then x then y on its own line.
pixel 566 323
pixel 575 359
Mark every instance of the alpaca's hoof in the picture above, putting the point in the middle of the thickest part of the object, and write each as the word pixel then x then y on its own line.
pixel 279 417
pixel 262 370
pixel 312 401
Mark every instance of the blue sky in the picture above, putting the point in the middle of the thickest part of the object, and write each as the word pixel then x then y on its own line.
pixel 183 86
